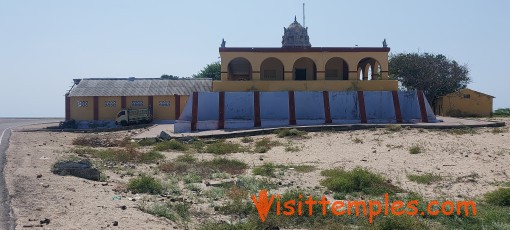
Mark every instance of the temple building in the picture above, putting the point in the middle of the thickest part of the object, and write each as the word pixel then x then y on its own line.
pixel 263 87
pixel 299 66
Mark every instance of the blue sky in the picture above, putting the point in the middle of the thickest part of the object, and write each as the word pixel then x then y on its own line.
pixel 45 44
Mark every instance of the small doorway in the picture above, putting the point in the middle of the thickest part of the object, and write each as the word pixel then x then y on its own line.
pixel 300 75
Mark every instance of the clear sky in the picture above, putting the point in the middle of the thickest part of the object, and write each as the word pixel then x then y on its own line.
pixel 45 44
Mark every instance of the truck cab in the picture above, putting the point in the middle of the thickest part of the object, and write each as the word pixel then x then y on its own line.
pixel 134 116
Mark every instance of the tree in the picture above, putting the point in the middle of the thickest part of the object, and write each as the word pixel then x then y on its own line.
pixel 212 70
pixel 436 75
pixel 171 77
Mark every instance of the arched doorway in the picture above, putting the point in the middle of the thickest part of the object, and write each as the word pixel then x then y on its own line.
pixel 304 70
pixel 239 69
pixel 271 69
pixel 337 69
pixel 369 68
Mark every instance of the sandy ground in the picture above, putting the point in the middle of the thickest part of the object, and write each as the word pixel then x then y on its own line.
pixel 471 165
pixel 69 202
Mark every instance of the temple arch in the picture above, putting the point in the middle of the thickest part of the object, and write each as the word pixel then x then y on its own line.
pixel 239 69
pixel 271 69
pixel 369 68
pixel 304 69
pixel 337 69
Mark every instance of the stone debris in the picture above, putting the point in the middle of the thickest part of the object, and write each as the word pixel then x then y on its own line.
pixel 82 169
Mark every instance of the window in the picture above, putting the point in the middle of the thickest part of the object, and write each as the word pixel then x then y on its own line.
pixel 164 103
pixel 270 74
pixel 121 113
pixel 83 103
pixel 110 104
pixel 136 103
pixel 467 96
pixel 331 74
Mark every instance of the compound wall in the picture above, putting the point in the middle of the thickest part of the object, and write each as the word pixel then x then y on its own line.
pixel 246 110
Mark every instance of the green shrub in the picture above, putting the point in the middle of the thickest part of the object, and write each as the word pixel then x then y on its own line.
pixel 415 149
pixel 265 144
pixel 192 178
pixel 243 208
pixel 357 140
pixel 93 141
pixel 145 184
pixel 169 210
pixel 215 193
pixel 426 178
pixel 151 156
pixel 193 187
pixel 393 128
pixel 198 145
pixel 291 148
pixel 289 133
pixel 222 147
pixel 500 197
pixel 253 184
pixel 170 145
pixel 267 169
pixel 187 158
pixel 462 131
pixel 205 168
pixel 500 130
pixel 147 142
pixel 247 139
pixel 177 167
pixel 399 223
pixel 356 180
pixel 233 166
pixel 128 154
pixel 503 112
pixel 303 168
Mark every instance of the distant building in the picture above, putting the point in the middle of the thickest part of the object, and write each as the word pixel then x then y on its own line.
pixel 465 103
pixel 300 67
pixel 101 99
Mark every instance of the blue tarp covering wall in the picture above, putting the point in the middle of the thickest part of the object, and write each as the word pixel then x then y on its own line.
pixel 246 110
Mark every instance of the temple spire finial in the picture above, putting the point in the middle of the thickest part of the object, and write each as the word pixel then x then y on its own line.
pixel 295 18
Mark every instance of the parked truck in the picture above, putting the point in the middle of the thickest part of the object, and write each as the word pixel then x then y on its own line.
pixel 134 116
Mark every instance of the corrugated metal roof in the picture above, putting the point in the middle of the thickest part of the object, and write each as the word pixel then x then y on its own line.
pixel 139 87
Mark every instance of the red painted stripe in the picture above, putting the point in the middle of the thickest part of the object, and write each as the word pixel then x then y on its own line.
pixel 396 105
pixel 194 112
pixel 362 111
pixel 292 109
pixel 96 108
pixel 256 107
pixel 221 110
pixel 423 110
pixel 177 106
pixel 123 102
pixel 68 108
pixel 327 113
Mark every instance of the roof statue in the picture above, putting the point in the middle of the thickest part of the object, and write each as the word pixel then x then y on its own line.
pixel 384 43
pixel 223 42
pixel 295 36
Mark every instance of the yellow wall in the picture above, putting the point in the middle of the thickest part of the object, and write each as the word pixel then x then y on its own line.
pixel 289 58
pixel 109 113
pixel 82 113
pixel 327 85
pixel 144 99
pixel 184 100
pixel 164 112
pixel 455 104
